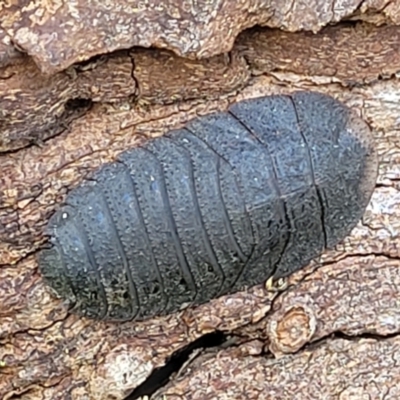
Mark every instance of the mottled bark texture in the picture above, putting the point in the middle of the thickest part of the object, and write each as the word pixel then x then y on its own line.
pixel 60 33
pixel 332 333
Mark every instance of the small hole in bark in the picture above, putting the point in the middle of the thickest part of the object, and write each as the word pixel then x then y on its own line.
pixel 77 104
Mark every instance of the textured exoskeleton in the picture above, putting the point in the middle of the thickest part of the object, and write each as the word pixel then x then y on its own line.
pixel 227 202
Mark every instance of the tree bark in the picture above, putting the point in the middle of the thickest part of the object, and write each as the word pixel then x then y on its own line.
pixel 332 333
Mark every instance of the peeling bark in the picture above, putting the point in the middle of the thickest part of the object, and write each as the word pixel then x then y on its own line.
pixel 332 333
pixel 193 29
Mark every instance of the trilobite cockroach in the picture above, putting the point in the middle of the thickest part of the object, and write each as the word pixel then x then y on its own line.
pixel 225 203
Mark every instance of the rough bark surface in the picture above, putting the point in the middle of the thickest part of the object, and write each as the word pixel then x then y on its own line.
pixel 200 29
pixel 332 333
pixel 51 103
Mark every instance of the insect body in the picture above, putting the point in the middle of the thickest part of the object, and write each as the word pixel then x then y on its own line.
pixel 225 203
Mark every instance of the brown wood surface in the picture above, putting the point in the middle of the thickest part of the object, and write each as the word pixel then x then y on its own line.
pixel 57 34
pixel 331 334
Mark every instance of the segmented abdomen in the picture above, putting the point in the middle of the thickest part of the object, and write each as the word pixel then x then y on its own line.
pixel 225 203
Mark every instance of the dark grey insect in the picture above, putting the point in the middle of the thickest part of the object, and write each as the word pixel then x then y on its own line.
pixel 229 201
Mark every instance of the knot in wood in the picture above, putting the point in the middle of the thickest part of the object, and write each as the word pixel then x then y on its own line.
pixel 291 330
